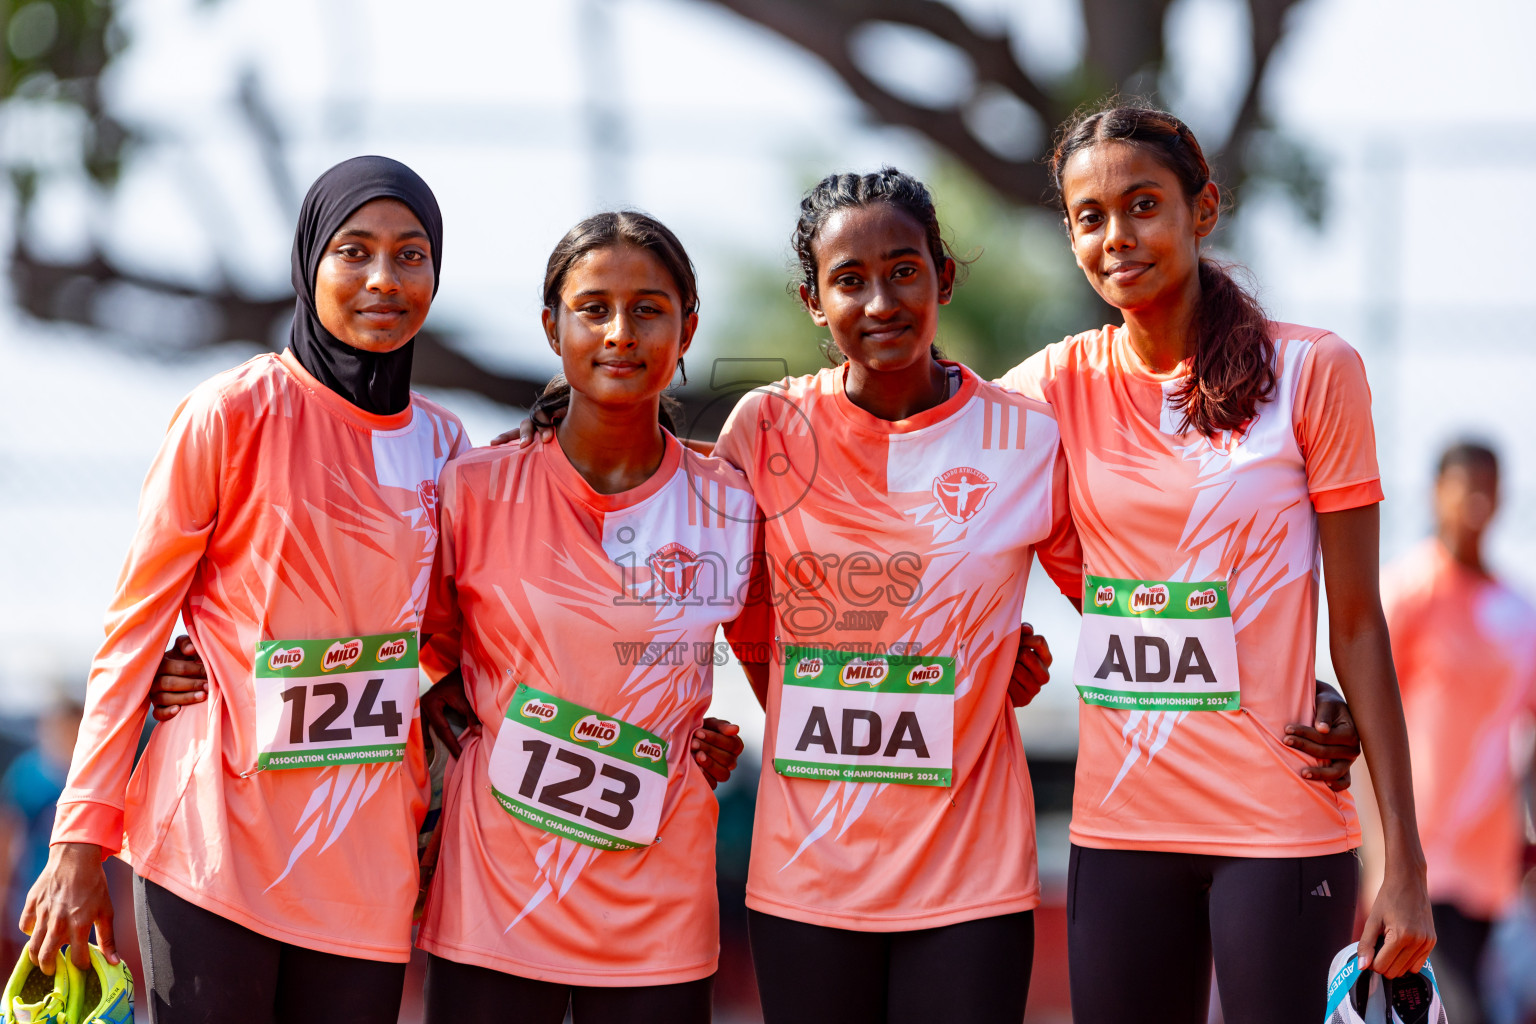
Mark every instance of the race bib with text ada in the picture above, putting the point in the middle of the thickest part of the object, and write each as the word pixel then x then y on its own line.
pixel 573 772
pixel 866 718
pixel 343 701
pixel 1155 646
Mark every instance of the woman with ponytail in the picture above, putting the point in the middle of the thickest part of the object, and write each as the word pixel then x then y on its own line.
pixel 1213 454
pixel 893 876
pixel 586 579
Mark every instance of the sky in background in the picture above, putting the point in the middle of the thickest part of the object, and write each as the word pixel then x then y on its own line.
pixel 1418 110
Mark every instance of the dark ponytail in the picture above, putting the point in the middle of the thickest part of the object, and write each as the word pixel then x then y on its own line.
pixel 605 231
pixel 1234 364
pixel 843 191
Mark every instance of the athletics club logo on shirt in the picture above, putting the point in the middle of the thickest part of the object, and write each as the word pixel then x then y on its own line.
pixel 675 568
pixel 962 492
pixel 426 493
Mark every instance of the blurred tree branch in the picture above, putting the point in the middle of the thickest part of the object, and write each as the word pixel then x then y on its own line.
pixel 1124 50
pixel 66 45
pixel 56 52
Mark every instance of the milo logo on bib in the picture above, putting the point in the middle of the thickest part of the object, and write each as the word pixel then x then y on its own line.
pixel 862 719
pixel 807 668
pixel 574 773
pixel 592 729
pixel 925 675
pixel 1157 646
pixel 1202 600
pixel 1148 599
pixel 282 658
pixel 539 709
pixel 342 654
pixel 864 673
pixel 392 651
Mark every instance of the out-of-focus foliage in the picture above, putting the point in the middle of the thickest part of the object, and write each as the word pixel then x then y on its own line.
pixel 1019 292
pixel 994 113
pixel 54 54
pixel 1022 292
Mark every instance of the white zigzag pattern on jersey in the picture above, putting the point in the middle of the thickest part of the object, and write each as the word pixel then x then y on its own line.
pixel 350 786
pixel 1208 537
pixel 561 861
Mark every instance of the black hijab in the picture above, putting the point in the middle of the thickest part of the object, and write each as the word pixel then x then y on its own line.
pixel 379 383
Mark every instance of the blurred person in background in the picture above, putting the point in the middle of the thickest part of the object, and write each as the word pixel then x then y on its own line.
pixel 1464 645
pixel 29 793
pixel 1509 963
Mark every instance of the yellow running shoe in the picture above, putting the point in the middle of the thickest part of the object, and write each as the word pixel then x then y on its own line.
pixel 102 994
pixel 32 997
pixel 106 992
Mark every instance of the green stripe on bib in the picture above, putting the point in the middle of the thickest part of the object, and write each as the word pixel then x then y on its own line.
pixel 1104 595
pixel 277 659
pixel 546 713
pixel 867 673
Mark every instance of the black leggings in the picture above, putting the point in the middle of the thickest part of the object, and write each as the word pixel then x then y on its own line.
pixel 975 972
pixel 205 969
pixel 468 994
pixel 1142 928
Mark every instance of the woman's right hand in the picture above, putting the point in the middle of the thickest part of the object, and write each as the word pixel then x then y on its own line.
pixel 1031 667
pixel 180 679
pixel 66 900
pixel 447 692
pixel 1401 922
pixel 525 432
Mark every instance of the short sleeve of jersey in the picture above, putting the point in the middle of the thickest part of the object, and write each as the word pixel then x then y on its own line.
pixel 736 437
pixel 1061 553
pixel 1334 429
pixel 751 633
pixel 1031 377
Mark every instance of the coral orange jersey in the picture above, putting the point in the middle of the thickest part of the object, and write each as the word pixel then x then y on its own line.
pixel 1211 540
pixel 276 515
pixel 894 794
pixel 1465 649
pixel 587 624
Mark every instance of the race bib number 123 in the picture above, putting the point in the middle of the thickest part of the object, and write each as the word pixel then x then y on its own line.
pixel 572 772
pixel 343 701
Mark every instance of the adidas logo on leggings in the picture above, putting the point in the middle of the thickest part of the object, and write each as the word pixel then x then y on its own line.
pixel 1323 889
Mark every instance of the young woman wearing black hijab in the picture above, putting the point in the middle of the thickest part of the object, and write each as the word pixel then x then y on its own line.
pixel 290 519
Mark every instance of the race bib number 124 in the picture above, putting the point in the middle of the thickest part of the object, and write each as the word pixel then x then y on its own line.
pixel 343 701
